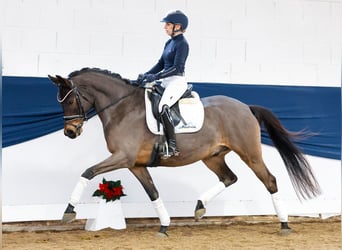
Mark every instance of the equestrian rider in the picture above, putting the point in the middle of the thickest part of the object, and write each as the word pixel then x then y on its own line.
pixel 170 68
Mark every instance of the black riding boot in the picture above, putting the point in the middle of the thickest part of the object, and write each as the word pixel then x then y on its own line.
pixel 169 131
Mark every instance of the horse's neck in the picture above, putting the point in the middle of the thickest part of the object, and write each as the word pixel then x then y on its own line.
pixel 117 100
pixel 108 91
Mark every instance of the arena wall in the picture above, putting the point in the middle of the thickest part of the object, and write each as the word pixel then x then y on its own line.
pixel 277 42
pixel 249 41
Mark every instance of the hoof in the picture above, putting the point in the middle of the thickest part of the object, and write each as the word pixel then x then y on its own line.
pixel 199 210
pixel 162 232
pixel 199 213
pixel 162 235
pixel 68 217
pixel 284 232
pixel 285 229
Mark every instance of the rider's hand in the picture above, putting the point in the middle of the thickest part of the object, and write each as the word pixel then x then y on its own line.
pixel 140 79
pixel 150 78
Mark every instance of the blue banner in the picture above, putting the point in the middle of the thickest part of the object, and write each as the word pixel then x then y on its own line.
pixel 315 109
pixel 30 110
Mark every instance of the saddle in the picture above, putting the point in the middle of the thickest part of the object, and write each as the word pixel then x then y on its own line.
pixel 187 113
pixel 155 96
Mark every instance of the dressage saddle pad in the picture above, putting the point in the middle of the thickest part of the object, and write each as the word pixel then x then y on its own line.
pixel 191 109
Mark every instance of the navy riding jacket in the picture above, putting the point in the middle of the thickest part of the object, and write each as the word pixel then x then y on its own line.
pixel 172 61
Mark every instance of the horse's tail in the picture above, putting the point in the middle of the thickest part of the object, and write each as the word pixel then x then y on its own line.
pixel 301 175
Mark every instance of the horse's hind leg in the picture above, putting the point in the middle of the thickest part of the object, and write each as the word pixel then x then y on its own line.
pixel 226 178
pixel 144 177
pixel 259 168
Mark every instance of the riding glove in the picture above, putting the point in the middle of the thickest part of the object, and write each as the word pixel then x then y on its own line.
pixel 140 79
pixel 151 77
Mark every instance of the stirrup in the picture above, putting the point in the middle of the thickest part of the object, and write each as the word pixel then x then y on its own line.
pixel 168 152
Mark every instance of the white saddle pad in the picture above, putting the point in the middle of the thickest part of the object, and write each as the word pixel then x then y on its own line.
pixel 191 109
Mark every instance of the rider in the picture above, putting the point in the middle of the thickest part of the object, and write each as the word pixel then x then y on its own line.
pixel 170 68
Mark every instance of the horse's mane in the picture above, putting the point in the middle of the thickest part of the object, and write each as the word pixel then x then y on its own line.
pixel 97 70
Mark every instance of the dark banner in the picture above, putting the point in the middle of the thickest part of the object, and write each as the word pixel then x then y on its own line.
pixel 31 110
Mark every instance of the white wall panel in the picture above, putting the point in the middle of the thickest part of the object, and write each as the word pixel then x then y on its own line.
pixel 259 10
pixel 327 73
pixel 24 16
pixel 20 63
pixel 39 40
pixel 294 34
pixel 56 17
pixel 117 5
pixel 289 8
pixel 317 53
pixel 11 39
pixel 73 42
pixel 247 72
pixel 231 50
pixel 110 44
pixel 75 4
pixel 163 7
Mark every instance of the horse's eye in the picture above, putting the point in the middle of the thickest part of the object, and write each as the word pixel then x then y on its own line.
pixel 70 101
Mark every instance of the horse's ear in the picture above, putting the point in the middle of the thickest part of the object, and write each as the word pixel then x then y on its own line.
pixel 64 81
pixel 54 79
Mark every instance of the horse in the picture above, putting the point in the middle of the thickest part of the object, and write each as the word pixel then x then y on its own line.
pixel 229 125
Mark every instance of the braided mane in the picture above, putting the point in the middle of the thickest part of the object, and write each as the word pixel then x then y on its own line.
pixel 97 70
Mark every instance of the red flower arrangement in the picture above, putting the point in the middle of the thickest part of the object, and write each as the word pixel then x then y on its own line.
pixel 110 190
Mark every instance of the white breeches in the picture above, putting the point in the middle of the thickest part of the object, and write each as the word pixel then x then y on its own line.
pixel 175 86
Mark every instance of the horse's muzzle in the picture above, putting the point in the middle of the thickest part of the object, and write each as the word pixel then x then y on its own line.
pixel 73 129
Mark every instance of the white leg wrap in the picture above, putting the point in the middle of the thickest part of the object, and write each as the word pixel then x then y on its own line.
pixel 211 193
pixel 279 207
pixel 78 191
pixel 161 211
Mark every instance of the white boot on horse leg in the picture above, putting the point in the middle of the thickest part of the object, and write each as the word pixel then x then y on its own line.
pixel 163 216
pixel 206 197
pixel 69 214
pixel 281 213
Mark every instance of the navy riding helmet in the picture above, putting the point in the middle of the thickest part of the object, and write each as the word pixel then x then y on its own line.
pixel 177 17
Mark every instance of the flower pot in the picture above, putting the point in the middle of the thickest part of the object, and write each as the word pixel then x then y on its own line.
pixel 109 214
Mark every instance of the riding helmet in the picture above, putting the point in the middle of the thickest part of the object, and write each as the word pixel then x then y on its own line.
pixel 176 17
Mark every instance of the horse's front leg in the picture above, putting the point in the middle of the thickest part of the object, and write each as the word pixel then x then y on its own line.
pixel 144 177
pixel 115 161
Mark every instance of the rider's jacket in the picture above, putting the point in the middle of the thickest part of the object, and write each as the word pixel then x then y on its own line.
pixel 172 61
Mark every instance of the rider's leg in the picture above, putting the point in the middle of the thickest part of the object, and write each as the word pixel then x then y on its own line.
pixel 175 87
pixel 169 131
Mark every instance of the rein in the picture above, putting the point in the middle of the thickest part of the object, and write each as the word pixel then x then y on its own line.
pixel 109 105
pixel 90 114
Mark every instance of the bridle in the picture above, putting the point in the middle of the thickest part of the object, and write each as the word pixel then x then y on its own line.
pixel 82 114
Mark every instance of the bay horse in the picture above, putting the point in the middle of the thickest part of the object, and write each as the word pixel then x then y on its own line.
pixel 229 125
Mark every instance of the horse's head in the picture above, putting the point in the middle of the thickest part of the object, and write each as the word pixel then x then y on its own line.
pixel 73 105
